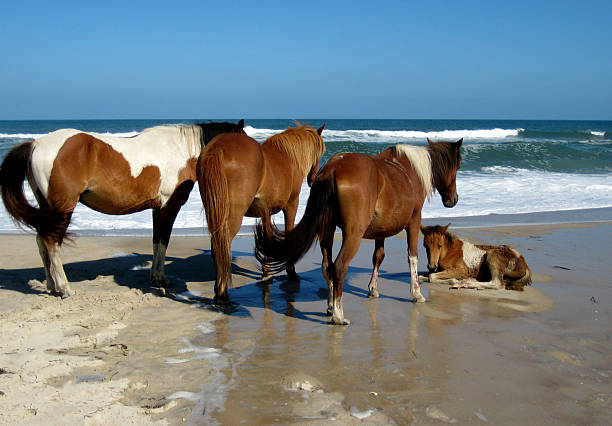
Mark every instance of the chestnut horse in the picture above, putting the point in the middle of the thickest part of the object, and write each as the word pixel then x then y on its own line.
pixel 366 197
pixel 155 169
pixel 461 264
pixel 239 177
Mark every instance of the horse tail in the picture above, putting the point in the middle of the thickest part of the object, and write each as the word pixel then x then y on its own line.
pixel 13 173
pixel 215 198
pixel 279 249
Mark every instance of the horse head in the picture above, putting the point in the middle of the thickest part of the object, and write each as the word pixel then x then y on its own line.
pixel 435 242
pixel 315 166
pixel 445 161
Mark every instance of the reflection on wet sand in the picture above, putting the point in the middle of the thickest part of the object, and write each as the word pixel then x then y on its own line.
pixel 457 358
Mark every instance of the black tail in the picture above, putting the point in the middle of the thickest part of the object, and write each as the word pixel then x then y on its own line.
pixel 280 249
pixel 13 172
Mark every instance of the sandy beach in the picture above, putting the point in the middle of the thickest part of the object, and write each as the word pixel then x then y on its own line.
pixel 120 352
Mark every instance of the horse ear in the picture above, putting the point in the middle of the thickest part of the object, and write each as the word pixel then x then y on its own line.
pixel 458 143
pixel 241 123
pixel 429 141
pixel 423 229
pixel 445 228
pixel 320 129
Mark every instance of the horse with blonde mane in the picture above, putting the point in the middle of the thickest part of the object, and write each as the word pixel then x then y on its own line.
pixel 155 169
pixel 366 196
pixel 239 177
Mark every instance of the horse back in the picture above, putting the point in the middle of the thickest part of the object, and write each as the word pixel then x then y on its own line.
pixel 281 180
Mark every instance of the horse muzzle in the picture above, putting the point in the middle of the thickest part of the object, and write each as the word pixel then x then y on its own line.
pixel 451 202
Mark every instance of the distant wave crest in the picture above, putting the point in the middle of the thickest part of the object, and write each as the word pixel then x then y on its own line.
pixel 393 136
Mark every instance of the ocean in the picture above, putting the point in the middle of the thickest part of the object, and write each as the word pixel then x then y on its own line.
pixel 509 166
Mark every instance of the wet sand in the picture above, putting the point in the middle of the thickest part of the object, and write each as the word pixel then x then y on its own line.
pixel 119 352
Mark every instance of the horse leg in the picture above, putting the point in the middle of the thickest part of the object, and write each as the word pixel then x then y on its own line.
pixel 493 262
pixel 350 246
pixel 413 251
pixel 289 212
pixel 163 221
pixel 377 257
pixel 44 255
pixel 327 242
pixel 49 249
pixel 448 277
pixel 159 252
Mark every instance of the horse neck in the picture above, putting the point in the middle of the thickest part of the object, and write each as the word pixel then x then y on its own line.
pixel 288 159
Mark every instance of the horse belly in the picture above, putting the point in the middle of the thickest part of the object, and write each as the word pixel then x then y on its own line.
pixel 124 196
pixel 381 228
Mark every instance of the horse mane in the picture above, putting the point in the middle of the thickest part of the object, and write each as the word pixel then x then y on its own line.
pixel 187 132
pixel 420 159
pixel 443 160
pixel 201 133
pixel 301 143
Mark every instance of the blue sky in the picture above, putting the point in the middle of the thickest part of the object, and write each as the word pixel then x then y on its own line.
pixel 332 59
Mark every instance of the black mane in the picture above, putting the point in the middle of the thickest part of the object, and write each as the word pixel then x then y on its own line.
pixel 214 128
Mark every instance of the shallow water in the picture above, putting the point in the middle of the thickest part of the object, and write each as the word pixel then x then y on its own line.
pixel 463 356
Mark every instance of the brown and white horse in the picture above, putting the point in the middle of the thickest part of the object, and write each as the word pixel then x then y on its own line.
pixel 461 264
pixel 239 177
pixel 155 169
pixel 366 197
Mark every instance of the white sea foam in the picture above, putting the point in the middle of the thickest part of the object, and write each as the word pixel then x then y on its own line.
pixel 391 136
pixel 21 135
pixel 597 133
pixel 39 135
pixel 395 136
pixel 494 189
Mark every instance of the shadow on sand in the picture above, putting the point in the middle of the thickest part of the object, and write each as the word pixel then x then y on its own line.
pixel 277 294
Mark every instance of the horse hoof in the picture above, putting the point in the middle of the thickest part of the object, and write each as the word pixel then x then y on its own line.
pixel 66 293
pixel 329 313
pixel 222 300
pixel 419 299
pixel 340 321
pixel 161 282
pixel 373 294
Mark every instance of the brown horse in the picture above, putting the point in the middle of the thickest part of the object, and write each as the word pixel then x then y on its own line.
pixel 366 197
pixel 155 169
pixel 239 177
pixel 461 264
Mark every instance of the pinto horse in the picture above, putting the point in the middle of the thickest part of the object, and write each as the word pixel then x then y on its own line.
pixel 461 264
pixel 366 196
pixel 239 177
pixel 155 169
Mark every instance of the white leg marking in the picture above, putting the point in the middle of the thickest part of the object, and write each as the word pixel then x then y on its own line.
pixel 57 271
pixel 44 255
pixel 415 289
pixel 338 315
pixel 472 283
pixel 373 286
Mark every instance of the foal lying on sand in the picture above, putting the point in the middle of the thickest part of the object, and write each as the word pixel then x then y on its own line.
pixel 466 265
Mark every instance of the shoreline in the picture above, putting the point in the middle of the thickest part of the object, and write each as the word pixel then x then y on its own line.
pixel 599 215
pixel 118 352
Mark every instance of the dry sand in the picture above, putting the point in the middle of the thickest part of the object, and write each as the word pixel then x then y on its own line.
pixel 118 352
